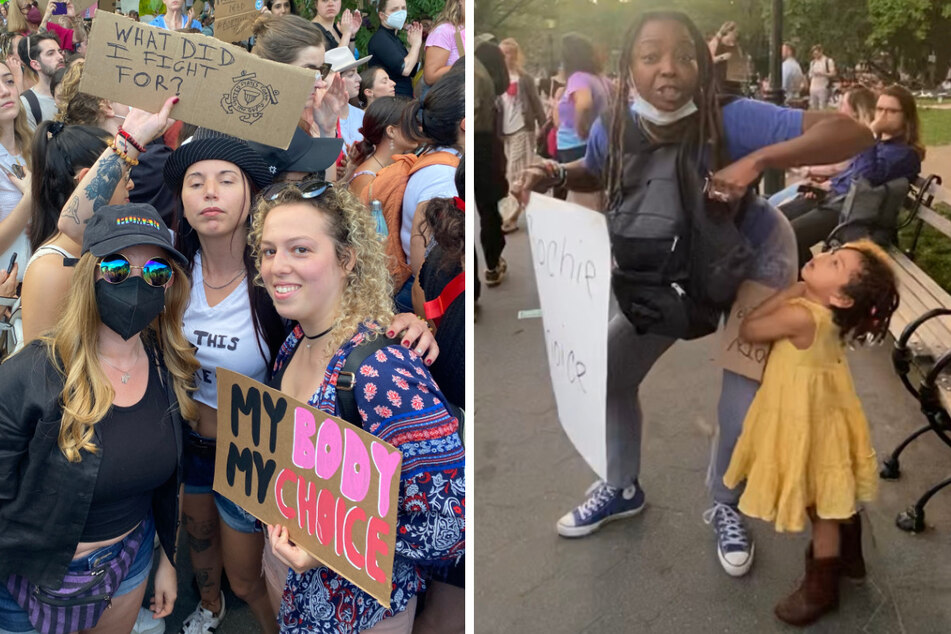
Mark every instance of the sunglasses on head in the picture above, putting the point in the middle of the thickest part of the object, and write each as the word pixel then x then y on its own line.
pixel 116 268
pixel 308 188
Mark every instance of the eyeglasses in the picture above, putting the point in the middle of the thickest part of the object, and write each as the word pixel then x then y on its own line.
pixel 325 69
pixel 116 268
pixel 308 189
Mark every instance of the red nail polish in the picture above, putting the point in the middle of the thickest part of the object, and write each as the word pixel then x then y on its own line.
pixel 406 342
pixel 176 100
pixel 390 334
pixel 429 361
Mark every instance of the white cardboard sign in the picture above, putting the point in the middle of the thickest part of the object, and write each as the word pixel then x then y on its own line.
pixel 571 255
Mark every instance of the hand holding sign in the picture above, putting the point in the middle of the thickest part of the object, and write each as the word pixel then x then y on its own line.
pixel 288 552
pixel 145 127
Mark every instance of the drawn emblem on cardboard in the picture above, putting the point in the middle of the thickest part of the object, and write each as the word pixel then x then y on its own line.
pixel 249 97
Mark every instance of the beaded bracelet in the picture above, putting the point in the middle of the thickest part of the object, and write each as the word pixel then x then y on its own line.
pixel 131 162
pixel 128 137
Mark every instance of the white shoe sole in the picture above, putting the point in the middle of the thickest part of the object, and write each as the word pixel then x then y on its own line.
pixel 737 571
pixel 583 531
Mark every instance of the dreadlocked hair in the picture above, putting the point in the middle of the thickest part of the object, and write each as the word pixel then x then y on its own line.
pixel 710 128
pixel 874 295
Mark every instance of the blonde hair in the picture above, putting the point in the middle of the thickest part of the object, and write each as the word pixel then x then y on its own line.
pixel 368 293
pixel 16 21
pixel 74 107
pixel 451 12
pixel 22 133
pixel 87 393
pixel 510 43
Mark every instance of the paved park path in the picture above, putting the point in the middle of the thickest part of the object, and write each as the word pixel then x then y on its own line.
pixel 658 572
pixel 938 161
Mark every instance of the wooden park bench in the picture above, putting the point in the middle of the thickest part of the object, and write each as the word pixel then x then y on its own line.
pixel 921 328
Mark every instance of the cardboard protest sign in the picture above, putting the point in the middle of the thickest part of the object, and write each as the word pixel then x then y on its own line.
pixel 571 254
pixel 234 19
pixel 107 5
pixel 334 486
pixel 223 87
pixel 736 354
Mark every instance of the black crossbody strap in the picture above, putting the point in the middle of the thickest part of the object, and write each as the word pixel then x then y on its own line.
pixel 34 106
pixel 347 379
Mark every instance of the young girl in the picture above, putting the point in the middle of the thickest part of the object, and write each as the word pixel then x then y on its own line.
pixel 805 447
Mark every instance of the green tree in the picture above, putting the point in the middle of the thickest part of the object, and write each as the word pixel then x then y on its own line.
pixel 417 10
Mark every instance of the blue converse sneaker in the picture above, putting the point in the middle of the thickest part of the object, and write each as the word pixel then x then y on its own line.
pixel 734 546
pixel 604 504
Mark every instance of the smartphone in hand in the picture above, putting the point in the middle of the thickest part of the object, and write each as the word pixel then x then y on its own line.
pixel 13 260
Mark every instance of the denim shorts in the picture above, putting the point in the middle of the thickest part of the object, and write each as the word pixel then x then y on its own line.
pixel 13 618
pixel 236 517
pixel 199 464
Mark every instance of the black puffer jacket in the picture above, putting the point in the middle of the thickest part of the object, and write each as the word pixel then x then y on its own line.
pixel 45 499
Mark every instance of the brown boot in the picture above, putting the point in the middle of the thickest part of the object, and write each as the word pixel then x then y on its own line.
pixel 818 593
pixel 850 549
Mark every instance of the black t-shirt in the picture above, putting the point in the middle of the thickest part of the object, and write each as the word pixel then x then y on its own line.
pixel 332 38
pixel 139 455
pixel 449 369
pixel 388 52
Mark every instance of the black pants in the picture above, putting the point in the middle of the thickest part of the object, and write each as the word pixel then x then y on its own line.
pixel 490 188
pixel 812 220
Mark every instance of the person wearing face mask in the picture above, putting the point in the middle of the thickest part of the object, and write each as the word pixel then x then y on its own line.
pixel 62 157
pixel 389 52
pixel 79 108
pixel 91 416
pixel 666 60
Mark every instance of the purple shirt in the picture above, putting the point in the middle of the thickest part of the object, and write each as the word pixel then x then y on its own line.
pixel 600 92
pixel 885 161
pixel 748 125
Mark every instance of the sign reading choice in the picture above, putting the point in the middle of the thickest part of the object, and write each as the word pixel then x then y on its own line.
pixel 222 87
pixel 571 254
pixel 334 486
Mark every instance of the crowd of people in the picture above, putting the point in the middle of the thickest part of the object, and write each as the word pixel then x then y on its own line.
pixel 141 243
pixel 794 448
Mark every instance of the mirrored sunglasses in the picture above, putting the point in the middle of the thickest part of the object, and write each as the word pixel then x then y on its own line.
pixel 116 268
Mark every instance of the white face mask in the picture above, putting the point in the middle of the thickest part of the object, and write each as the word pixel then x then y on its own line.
pixel 396 20
pixel 648 112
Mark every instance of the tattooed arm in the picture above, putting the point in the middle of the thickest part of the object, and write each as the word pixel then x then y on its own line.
pixel 100 182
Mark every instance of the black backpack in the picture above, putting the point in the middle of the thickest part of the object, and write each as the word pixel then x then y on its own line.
pixel 677 267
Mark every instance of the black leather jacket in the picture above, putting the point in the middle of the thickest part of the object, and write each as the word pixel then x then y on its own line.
pixel 45 499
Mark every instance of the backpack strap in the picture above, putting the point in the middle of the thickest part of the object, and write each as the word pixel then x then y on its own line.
pixel 460 47
pixel 436 308
pixel 34 106
pixel 347 379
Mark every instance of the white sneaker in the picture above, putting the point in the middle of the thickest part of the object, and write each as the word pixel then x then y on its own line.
pixel 203 621
pixel 145 624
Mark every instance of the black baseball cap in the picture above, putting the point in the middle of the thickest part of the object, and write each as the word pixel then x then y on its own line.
pixel 208 145
pixel 116 227
pixel 304 154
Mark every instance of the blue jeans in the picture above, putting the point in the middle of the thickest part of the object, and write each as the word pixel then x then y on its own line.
pixel 404 297
pixel 14 619
pixel 631 356
pixel 199 478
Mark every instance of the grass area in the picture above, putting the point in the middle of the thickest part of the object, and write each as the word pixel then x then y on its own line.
pixel 935 126
pixel 933 251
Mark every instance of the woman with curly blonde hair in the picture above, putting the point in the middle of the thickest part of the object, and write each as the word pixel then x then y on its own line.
pixel 91 424
pixel 321 262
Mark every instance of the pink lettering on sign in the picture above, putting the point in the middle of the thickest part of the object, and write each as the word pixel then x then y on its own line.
pixel 304 428
pixel 355 478
pixel 329 449
pixel 386 464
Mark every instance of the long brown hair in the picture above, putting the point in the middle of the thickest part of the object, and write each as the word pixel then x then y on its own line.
pixel 710 128
pixel 72 347
pixel 22 133
pixel 909 108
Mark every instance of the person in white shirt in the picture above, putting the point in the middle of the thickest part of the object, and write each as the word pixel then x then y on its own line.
pixel 40 53
pixel 342 61
pixel 821 72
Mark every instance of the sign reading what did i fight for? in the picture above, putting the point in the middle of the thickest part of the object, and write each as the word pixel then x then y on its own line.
pixel 334 486
pixel 222 87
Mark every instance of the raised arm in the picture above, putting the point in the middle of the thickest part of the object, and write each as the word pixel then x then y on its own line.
pixel 96 188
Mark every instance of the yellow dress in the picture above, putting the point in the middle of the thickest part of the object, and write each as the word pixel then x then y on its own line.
pixel 805 440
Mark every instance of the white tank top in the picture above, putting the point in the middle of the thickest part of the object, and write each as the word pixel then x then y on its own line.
pixel 224 336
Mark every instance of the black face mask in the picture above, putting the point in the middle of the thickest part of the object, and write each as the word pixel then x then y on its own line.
pixel 129 306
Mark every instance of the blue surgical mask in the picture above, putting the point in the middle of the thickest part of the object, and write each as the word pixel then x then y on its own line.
pixel 396 20
pixel 649 113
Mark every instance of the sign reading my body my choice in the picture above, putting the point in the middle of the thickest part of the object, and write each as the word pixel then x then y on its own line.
pixel 334 486
pixel 222 87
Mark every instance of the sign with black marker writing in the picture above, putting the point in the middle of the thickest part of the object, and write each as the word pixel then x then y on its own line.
pixel 222 87
pixel 736 354
pixel 571 254
pixel 234 19
pixel 333 486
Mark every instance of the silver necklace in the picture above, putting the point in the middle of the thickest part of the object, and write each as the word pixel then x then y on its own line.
pixel 241 273
pixel 126 374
